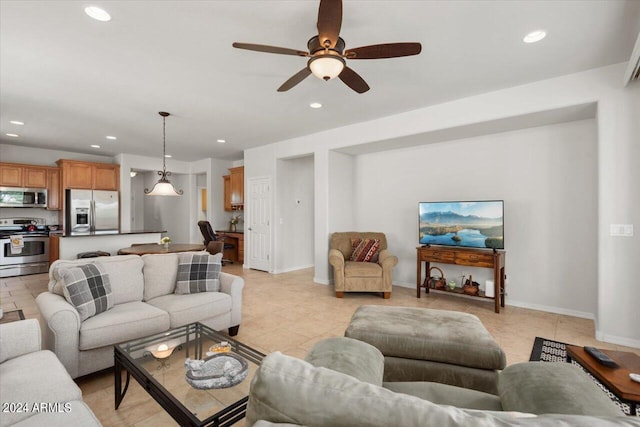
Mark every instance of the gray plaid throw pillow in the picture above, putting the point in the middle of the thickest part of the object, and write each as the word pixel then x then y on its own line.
pixel 88 289
pixel 198 273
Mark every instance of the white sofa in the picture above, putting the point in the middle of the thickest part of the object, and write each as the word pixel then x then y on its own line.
pixel 144 304
pixel 35 389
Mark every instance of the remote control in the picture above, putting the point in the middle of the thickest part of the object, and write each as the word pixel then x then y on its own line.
pixel 635 377
pixel 602 358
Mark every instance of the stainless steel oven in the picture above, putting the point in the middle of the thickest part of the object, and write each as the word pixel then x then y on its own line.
pixel 32 259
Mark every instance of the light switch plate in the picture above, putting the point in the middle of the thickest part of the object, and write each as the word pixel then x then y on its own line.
pixel 621 230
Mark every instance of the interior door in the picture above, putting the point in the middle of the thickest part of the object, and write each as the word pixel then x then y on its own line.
pixel 259 204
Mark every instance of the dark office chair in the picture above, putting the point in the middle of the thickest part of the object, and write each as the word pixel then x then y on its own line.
pixel 210 236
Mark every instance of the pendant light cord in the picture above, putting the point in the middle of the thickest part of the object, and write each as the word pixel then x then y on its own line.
pixel 164 145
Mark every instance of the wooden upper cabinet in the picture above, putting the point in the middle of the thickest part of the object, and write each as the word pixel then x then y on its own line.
pixel 10 175
pixel 76 174
pixel 237 186
pixel 89 176
pixel 34 177
pixel 54 201
pixel 26 176
pixel 227 192
pixel 106 176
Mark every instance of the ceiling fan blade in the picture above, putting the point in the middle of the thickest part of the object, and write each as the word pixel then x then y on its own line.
pixel 269 49
pixel 329 21
pixel 387 50
pixel 353 80
pixel 295 79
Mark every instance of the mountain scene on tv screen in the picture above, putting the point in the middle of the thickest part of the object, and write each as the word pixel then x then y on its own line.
pixel 470 224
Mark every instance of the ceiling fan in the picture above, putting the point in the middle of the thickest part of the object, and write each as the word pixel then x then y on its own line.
pixel 327 57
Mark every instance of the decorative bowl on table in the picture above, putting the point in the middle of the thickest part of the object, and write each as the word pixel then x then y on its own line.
pixel 218 371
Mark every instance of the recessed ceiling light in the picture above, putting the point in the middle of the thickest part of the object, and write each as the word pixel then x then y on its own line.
pixel 97 13
pixel 95 146
pixel 315 105
pixel 13 135
pixel 534 36
pixel 168 156
pixel 16 122
pixel 113 138
pixel 133 174
pixel 221 141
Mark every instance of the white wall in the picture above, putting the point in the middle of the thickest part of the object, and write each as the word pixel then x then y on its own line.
pixel 168 213
pixel 550 221
pixel 294 225
pixel 137 203
pixel 341 192
pixel 39 156
pixel 50 217
pixel 617 316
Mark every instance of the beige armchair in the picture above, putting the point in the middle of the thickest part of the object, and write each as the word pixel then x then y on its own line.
pixel 353 276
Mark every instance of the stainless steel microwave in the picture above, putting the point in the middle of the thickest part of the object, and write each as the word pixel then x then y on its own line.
pixel 11 197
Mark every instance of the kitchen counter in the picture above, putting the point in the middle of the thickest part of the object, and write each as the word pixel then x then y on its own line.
pixel 109 233
pixel 69 246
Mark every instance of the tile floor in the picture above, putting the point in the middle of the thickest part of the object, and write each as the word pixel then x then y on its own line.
pixel 289 313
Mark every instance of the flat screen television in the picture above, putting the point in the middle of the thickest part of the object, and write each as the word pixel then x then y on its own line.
pixel 474 224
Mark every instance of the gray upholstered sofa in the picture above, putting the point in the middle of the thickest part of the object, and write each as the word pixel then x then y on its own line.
pixel 341 384
pixel 35 389
pixel 144 304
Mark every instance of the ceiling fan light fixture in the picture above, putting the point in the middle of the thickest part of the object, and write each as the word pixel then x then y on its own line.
pixel 163 187
pixel 326 66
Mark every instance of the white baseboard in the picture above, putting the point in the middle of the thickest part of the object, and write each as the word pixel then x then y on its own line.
pixel 613 339
pixel 290 269
pixel 321 281
pixel 539 307
pixel 552 309
pixel 405 284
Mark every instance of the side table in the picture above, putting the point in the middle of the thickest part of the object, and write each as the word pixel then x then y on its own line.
pixel 616 379
pixel 12 316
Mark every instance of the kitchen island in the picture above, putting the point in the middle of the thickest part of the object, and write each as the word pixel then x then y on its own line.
pixel 68 246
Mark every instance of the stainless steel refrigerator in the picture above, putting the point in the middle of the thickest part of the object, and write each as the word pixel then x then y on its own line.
pixel 91 211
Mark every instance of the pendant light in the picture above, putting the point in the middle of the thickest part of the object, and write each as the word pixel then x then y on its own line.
pixel 163 187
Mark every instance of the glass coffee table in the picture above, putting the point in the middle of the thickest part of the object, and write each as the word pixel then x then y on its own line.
pixel 157 362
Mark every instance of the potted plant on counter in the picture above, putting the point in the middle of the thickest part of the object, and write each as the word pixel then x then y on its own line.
pixel 233 223
pixel 165 241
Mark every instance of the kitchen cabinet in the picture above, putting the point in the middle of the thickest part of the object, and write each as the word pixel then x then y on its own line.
pixel 34 177
pixel 89 176
pixel 237 187
pixel 76 174
pixel 10 175
pixel 54 201
pixel 106 176
pixel 227 193
pixel 26 176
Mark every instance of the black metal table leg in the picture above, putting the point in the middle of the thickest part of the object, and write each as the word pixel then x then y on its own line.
pixel 119 392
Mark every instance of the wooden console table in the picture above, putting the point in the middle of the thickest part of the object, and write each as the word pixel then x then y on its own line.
pixel 464 256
